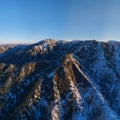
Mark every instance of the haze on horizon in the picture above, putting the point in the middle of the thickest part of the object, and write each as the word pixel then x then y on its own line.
pixel 30 21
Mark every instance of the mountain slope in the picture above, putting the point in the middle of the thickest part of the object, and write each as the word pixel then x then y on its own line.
pixel 59 80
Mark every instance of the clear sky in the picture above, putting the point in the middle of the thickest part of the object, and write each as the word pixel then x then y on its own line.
pixel 34 20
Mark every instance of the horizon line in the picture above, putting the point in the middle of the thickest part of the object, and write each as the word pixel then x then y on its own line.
pixel 104 40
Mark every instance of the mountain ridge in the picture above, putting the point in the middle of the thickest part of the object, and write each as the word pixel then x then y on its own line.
pixel 60 80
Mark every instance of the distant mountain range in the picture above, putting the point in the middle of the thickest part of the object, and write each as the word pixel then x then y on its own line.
pixel 60 80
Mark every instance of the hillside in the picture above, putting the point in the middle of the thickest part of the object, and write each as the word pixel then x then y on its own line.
pixel 60 80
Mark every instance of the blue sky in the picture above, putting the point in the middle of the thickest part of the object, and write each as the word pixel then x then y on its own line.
pixel 34 20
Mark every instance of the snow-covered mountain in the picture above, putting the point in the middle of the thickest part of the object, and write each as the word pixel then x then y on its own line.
pixel 59 80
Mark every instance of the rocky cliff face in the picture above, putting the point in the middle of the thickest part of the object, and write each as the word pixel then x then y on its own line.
pixel 58 80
